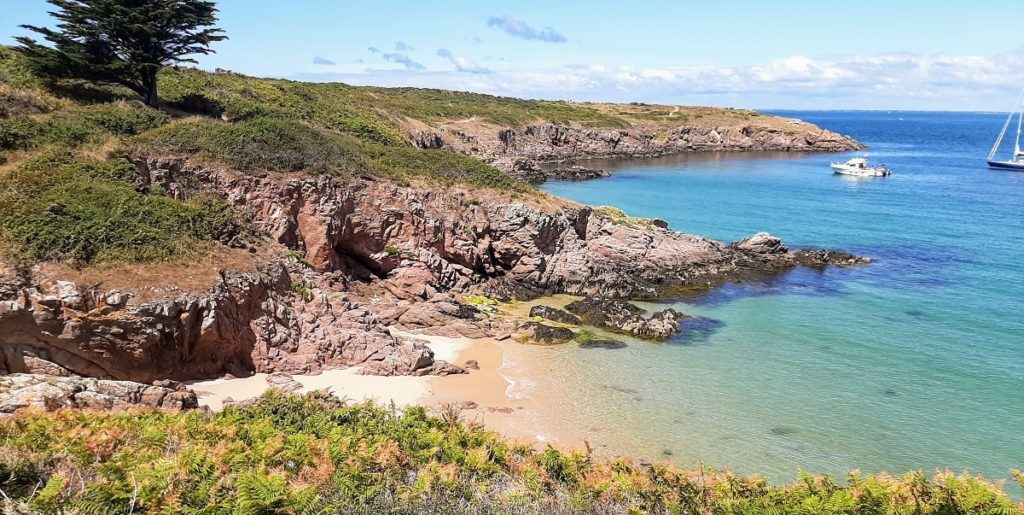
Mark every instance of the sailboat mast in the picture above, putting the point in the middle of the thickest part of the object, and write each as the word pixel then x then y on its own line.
pixel 1016 147
pixel 1009 118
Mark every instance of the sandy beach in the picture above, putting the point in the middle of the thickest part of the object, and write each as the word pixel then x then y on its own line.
pixel 499 395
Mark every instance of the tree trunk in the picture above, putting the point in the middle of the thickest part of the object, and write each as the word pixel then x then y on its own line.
pixel 152 100
pixel 149 82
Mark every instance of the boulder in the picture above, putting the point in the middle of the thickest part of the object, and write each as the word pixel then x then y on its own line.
pixel 283 382
pixel 19 391
pixel 621 316
pixel 543 333
pixel 554 315
pixel 761 243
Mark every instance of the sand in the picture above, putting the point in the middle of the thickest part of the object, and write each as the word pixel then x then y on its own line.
pixel 498 395
pixel 344 383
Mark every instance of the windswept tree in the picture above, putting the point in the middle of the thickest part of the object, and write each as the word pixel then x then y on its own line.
pixel 122 42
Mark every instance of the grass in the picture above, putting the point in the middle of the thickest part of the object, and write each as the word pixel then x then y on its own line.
pixel 619 217
pixel 314 454
pixel 370 111
pixel 264 144
pixel 63 207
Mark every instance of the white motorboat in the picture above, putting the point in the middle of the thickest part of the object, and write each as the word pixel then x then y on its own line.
pixel 859 167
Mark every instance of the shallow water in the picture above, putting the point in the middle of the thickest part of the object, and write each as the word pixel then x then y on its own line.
pixel 915 361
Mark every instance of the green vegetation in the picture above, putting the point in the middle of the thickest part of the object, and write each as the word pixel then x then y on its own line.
pixel 619 217
pixel 61 206
pixel 584 336
pixel 79 126
pixel 369 110
pixel 121 42
pixel 277 145
pixel 314 454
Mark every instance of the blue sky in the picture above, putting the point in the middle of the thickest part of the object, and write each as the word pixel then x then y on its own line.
pixel 866 54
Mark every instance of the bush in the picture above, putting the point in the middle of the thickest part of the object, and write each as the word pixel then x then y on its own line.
pixel 82 211
pixel 274 145
pixel 260 144
pixel 315 454
pixel 79 126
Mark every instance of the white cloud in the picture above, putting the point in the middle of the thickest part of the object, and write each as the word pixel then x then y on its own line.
pixel 881 81
pixel 462 64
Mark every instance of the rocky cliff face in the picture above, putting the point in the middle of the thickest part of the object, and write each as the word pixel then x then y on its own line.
pixel 515 149
pixel 247 322
pixel 372 254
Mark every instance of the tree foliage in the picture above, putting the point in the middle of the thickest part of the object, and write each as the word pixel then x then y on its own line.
pixel 123 42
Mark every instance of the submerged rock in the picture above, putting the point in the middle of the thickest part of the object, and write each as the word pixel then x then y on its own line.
pixel 619 315
pixel 602 344
pixel 554 315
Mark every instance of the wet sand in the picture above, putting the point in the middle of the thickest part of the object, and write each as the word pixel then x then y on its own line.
pixel 506 395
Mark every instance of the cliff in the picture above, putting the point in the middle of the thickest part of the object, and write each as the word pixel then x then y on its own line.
pixel 368 254
pixel 518 150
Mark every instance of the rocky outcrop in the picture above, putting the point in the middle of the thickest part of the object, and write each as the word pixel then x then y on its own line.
pixel 621 316
pixel 544 333
pixel 510 148
pixel 554 315
pixel 18 391
pixel 247 322
pixel 536 175
pixel 373 254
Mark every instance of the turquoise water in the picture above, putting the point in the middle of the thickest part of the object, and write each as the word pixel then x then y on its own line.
pixel 915 361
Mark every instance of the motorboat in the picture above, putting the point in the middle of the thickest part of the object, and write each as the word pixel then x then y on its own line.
pixel 1016 161
pixel 859 167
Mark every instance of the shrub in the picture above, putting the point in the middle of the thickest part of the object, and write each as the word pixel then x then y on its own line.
pixel 79 126
pixel 62 207
pixel 260 144
pixel 316 454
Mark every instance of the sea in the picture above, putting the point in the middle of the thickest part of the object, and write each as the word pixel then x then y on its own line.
pixel 914 362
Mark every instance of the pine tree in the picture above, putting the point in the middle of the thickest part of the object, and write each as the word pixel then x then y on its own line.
pixel 123 42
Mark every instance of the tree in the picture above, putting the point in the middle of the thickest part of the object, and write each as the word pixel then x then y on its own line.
pixel 122 42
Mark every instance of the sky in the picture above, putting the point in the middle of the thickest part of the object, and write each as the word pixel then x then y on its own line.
pixel 795 54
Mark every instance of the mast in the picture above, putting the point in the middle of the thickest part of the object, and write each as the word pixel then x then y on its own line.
pixel 1016 147
pixel 1002 133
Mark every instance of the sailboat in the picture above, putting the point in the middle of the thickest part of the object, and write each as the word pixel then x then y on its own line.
pixel 1017 161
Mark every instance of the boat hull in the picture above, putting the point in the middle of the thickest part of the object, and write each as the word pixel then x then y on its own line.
pixel 860 172
pixel 1007 165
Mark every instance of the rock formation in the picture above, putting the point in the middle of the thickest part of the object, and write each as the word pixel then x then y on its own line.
pixel 45 392
pixel 543 333
pixel 370 254
pixel 621 316
pixel 554 315
pixel 518 149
